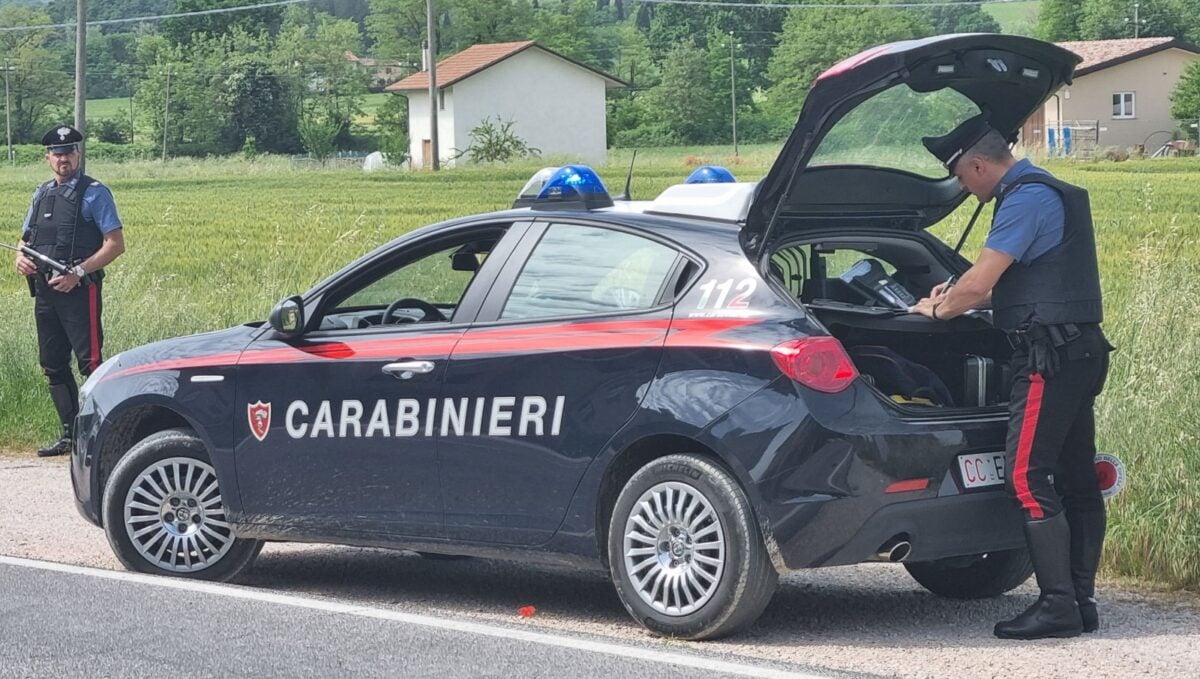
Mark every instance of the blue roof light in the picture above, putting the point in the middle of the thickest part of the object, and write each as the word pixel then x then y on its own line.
pixel 710 174
pixel 573 186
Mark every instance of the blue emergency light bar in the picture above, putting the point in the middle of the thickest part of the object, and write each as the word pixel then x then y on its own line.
pixel 570 187
pixel 710 174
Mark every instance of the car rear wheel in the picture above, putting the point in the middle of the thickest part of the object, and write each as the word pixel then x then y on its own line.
pixel 973 577
pixel 685 553
pixel 164 512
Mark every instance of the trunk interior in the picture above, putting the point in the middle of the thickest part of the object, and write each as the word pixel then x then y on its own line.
pixel 859 286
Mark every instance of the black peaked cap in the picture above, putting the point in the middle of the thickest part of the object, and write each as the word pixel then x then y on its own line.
pixel 949 147
pixel 60 135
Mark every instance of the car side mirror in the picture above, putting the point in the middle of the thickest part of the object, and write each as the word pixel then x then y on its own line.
pixel 464 261
pixel 287 318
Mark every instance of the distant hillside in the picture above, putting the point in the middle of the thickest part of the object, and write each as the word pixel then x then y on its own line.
pixel 1017 18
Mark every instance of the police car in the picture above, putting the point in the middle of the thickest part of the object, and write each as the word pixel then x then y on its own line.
pixel 696 392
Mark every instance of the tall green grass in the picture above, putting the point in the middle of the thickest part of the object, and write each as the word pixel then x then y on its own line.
pixel 216 243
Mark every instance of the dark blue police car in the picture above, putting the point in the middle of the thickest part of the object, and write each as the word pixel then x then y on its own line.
pixel 696 392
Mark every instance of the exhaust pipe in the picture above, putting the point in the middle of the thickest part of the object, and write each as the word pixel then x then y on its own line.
pixel 894 551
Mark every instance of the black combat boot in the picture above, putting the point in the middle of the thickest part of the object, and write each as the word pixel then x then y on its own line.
pixel 59 447
pixel 1087 541
pixel 1055 613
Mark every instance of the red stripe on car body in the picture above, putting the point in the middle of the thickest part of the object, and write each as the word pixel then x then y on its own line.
pixel 572 336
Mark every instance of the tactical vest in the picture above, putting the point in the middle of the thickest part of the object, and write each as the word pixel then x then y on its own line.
pixel 58 228
pixel 1063 284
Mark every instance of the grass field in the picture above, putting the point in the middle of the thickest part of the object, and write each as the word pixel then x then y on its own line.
pixel 215 243
pixel 1015 18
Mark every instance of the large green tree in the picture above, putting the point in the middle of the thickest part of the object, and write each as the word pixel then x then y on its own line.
pixel 969 18
pixel 1058 20
pixel 685 104
pixel 1185 100
pixel 183 30
pixel 39 88
pixel 814 40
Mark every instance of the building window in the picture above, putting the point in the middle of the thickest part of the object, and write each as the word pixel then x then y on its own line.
pixel 442 100
pixel 1123 105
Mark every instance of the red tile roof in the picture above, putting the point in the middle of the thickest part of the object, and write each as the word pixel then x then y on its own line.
pixel 473 60
pixel 1100 54
pixel 456 67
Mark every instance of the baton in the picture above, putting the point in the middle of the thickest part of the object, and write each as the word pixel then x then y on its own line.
pixel 34 254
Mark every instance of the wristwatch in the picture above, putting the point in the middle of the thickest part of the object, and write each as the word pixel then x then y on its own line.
pixel 78 271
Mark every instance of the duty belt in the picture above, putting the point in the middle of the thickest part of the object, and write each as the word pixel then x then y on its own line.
pixel 1057 335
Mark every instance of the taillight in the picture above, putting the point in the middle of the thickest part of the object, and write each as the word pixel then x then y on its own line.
pixel 816 362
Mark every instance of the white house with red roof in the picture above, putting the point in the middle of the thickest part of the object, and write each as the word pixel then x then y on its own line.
pixel 1121 95
pixel 557 104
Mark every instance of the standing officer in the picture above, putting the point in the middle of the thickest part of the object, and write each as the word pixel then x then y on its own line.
pixel 72 219
pixel 1039 273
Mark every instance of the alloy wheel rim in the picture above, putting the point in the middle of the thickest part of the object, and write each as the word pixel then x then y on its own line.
pixel 674 548
pixel 175 516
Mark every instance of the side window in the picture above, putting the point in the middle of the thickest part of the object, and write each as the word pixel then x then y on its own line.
pixel 423 286
pixel 576 270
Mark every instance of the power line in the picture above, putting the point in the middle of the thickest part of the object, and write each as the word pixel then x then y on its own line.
pixel 811 5
pixel 156 17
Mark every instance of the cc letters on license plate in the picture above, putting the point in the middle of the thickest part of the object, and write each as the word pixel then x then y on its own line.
pixel 981 469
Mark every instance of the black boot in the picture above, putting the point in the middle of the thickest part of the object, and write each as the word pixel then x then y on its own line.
pixel 1087 541
pixel 59 447
pixel 1055 613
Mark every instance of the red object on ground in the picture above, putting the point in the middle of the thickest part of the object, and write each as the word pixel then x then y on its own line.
pixel 527 611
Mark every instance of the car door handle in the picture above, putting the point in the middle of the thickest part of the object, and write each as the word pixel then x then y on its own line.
pixel 402 370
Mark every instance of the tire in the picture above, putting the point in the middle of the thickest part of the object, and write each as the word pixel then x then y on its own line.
pixel 973 577
pixel 702 536
pixel 169 474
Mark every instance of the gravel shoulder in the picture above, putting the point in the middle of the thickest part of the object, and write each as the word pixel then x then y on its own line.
pixel 870 619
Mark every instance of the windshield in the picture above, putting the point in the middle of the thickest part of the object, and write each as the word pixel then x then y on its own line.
pixel 886 130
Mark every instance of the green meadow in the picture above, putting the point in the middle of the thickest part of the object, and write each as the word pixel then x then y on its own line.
pixel 212 243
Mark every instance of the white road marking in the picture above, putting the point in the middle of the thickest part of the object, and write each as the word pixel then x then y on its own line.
pixel 250 594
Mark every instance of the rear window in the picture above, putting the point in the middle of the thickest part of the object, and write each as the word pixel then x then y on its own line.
pixel 886 130
pixel 576 270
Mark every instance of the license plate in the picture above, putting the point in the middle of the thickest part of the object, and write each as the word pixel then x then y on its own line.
pixel 981 469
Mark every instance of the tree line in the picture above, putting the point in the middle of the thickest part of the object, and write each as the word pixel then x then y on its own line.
pixel 276 79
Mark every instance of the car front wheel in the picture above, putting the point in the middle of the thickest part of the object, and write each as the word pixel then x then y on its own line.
pixel 685 553
pixel 164 512
pixel 973 577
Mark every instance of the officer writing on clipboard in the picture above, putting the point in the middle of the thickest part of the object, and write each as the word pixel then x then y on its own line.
pixel 72 219
pixel 1039 274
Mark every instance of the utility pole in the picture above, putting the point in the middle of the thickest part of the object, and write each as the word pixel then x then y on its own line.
pixel 1137 20
pixel 166 114
pixel 733 93
pixel 81 74
pixel 8 114
pixel 433 98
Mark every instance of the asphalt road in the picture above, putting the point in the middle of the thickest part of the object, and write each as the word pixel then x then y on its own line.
pixel 65 621
pixel 864 620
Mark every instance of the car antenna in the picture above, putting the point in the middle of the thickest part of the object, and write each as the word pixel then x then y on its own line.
pixel 967 232
pixel 628 179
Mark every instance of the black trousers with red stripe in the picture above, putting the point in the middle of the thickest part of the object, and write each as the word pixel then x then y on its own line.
pixel 68 322
pixel 1052 435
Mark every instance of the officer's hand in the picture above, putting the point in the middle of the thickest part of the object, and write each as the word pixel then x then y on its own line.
pixel 25 265
pixel 64 282
pixel 939 289
pixel 923 307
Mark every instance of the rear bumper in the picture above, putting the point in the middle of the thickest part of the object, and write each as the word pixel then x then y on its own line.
pixel 936 528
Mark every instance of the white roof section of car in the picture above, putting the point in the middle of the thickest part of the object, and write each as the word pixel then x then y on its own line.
pixel 727 202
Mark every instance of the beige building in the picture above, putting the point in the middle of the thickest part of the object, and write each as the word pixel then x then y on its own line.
pixel 1120 96
pixel 556 104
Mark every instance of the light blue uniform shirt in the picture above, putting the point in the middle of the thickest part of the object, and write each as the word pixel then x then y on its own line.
pixel 1030 220
pixel 98 206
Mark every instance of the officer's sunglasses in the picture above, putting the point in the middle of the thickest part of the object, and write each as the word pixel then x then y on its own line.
pixel 62 150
